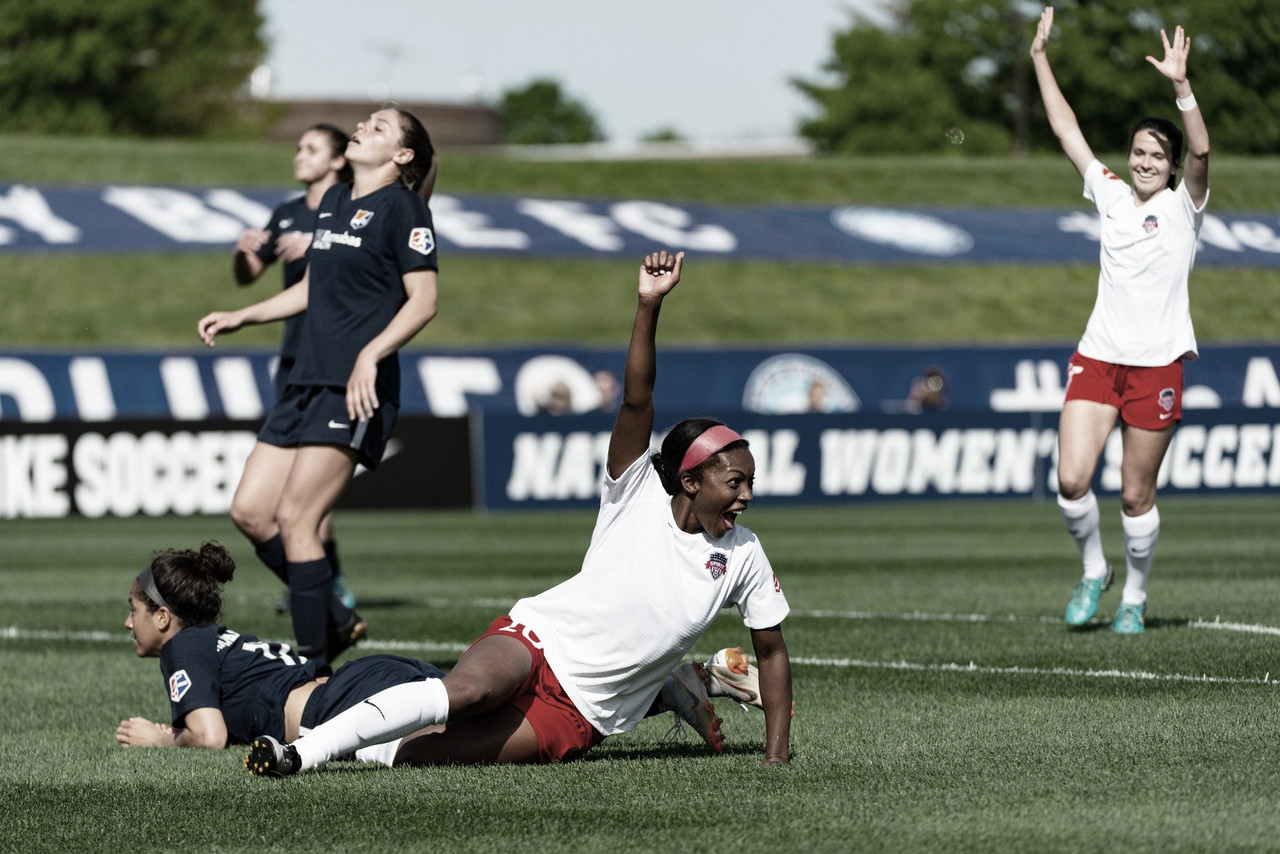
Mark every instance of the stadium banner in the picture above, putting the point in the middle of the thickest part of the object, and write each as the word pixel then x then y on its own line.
pixel 156 468
pixel 150 218
pixel 547 462
pixel 197 385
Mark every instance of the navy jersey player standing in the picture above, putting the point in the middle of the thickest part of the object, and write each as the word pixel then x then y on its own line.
pixel 225 687
pixel 318 163
pixel 370 286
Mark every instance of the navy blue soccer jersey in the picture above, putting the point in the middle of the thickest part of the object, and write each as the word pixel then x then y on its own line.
pixel 293 215
pixel 210 666
pixel 360 251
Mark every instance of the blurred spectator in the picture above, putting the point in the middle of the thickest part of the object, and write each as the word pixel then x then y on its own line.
pixel 556 400
pixel 610 389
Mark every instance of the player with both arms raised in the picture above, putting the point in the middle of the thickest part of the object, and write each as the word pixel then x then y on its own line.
pixel 1128 364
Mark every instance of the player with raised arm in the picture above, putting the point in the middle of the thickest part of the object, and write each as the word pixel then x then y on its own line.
pixel 1128 364
pixel 588 658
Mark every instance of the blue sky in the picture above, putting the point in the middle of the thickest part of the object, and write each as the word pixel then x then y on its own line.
pixel 715 70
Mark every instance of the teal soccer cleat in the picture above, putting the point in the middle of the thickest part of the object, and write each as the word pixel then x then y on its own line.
pixel 1130 620
pixel 1084 602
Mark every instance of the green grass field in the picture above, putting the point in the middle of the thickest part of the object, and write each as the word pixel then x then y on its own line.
pixel 941 702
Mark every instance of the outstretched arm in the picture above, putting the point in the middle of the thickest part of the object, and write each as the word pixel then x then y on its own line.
pixel 1195 173
pixel 287 303
pixel 659 273
pixel 1061 117
pixel 774 664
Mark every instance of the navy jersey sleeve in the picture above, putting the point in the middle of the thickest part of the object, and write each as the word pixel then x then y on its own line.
pixel 414 236
pixel 189 663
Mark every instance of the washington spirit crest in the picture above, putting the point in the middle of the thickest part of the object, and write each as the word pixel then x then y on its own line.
pixel 1150 224
pixel 718 565
pixel 1167 398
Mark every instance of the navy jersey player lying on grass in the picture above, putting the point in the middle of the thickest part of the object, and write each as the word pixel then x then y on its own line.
pixel 588 658
pixel 225 687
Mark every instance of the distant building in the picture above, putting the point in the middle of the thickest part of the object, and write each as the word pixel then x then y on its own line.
pixel 450 125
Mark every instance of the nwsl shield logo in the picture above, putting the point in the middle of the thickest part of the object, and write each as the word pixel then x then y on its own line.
pixel 361 219
pixel 422 240
pixel 179 683
pixel 1150 224
pixel 718 565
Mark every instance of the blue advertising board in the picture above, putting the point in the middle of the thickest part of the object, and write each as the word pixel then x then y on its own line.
pixel 816 459
pixel 192 385
pixel 149 218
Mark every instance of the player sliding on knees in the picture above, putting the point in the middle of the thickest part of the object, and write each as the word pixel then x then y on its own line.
pixel 589 658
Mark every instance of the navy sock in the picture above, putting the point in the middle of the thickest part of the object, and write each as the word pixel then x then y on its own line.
pixel 310 594
pixel 271 552
pixel 331 552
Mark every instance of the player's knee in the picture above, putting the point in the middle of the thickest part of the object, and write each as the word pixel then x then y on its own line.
pixel 252 521
pixel 467 696
pixel 1073 485
pixel 1137 501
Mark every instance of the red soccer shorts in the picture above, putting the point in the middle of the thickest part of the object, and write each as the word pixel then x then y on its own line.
pixel 563 733
pixel 1148 398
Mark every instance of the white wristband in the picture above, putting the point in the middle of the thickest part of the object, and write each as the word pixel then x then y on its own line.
pixel 1187 103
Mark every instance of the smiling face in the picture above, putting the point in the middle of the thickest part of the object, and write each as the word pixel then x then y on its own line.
pixel 378 141
pixel 1150 165
pixel 315 158
pixel 147 628
pixel 722 492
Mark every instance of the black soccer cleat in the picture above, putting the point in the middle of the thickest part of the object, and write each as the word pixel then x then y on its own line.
pixel 269 758
pixel 345 637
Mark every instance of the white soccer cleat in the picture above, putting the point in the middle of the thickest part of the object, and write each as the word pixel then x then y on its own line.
pixel 685 693
pixel 733 675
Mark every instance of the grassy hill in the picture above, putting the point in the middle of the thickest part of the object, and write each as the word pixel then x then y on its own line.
pixel 155 299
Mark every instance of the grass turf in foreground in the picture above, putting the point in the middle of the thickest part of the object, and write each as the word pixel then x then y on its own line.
pixel 1052 740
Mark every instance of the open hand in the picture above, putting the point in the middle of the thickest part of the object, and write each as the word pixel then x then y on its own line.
pixel 1042 31
pixel 1174 64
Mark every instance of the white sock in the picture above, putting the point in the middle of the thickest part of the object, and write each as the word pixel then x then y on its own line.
pixel 1140 535
pixel 389 714
pixel 383 754
pixel 1082 518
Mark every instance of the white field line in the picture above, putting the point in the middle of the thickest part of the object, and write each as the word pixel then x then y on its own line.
pixel 1136 675
pixel 15 633
pixel 921 617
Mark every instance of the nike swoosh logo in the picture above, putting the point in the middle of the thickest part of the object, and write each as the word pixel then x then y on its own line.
pixel 285 223
pixel 323 215
pixel 1165 416
pixel 338 425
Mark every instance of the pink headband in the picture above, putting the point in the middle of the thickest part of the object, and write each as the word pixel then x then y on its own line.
pixel 711 440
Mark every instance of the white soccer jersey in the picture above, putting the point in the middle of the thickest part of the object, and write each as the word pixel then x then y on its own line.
pixel 1142 316
pixel 645 594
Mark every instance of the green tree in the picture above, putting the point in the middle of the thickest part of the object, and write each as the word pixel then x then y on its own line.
pixel 134 67
pixel 541 114
pixel 962 64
